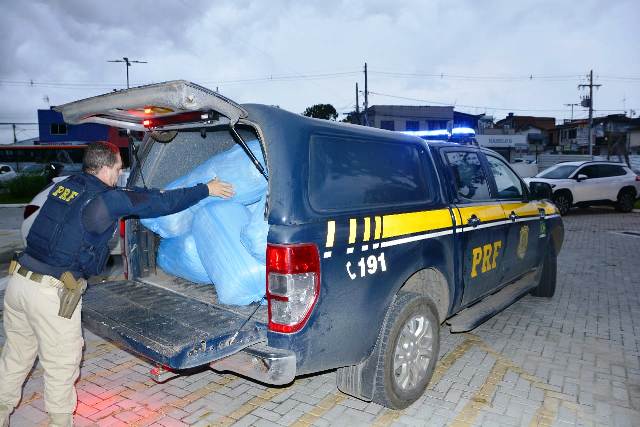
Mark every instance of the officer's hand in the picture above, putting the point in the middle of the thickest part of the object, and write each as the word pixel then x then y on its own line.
pixel 220 188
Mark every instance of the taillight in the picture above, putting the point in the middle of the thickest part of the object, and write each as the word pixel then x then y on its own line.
pixel 30 210
pixel 293 285
pixel 123 248
pixel 637 177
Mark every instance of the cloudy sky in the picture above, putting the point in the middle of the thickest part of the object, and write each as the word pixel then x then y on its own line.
pixel 481 56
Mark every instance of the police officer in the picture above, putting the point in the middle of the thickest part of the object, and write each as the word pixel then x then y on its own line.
pixel 71 234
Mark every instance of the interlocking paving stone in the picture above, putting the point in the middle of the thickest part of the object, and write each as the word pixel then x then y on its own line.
pixel 570 360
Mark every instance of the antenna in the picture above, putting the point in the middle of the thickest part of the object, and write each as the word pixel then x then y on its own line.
pixel 128 63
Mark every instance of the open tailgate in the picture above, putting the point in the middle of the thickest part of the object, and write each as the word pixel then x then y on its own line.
pixel 169 328
pixel 156 106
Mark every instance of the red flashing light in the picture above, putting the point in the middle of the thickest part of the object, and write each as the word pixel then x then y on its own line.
pixel 146 123
pixel 122 228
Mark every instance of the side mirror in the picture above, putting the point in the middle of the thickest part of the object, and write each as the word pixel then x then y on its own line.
pixel 581 177
pixel 540 190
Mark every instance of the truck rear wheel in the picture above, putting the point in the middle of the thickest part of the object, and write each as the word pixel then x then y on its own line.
pixel 410 341
pixel 547 286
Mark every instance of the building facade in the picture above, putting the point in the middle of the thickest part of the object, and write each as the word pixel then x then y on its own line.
pixel 410 117
pixel 53 130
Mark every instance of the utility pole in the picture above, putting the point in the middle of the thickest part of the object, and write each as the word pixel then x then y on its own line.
pixel 15 139
pixel 366 97
pixel 357 105
pixel 127 65
pixel 571 105
pixel 590 105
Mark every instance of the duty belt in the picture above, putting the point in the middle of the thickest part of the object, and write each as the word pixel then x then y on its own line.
pixel 33 276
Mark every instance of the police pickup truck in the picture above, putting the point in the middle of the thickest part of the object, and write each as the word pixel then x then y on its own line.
pixel 375 240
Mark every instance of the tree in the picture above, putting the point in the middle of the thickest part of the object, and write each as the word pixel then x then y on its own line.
pixel 352 117
pixel 321 111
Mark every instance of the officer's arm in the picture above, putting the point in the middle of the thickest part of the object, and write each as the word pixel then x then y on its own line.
pixel 150 203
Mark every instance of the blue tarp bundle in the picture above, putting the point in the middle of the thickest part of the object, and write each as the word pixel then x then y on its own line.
pixel 233 166
pixel 220 241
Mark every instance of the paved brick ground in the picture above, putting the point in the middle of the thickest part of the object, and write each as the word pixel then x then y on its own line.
pixel 571 360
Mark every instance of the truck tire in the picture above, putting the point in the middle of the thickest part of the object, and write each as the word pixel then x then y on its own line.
pixel 410 343
pixel 563 201
pixel 547 285
pixel 626 200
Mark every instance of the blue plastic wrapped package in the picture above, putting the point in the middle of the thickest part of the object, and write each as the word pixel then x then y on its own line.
pixel 254 233
pixel 179 256
pixel 232 166
pixel 238 277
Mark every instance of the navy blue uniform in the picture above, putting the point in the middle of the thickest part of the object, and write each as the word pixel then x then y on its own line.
pixel 80 215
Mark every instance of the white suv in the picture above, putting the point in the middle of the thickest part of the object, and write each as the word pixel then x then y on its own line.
pixel 591 183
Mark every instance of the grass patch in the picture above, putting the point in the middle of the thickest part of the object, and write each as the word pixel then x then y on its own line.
pixel 7 198
pixel 637 206
pixel 22 189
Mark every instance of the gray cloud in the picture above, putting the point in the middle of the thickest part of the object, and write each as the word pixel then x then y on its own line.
pixel 220 42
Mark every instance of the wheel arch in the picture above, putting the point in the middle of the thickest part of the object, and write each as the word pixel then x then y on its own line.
pixel 431 283
pixel 629 188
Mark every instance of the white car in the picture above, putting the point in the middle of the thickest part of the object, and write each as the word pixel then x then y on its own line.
pixel 591 183
pixel 33 208
pixel 7 173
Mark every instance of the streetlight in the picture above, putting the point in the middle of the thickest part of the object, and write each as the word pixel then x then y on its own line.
pixel 128 64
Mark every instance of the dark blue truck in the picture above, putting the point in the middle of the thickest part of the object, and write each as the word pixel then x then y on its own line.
pixel 375 240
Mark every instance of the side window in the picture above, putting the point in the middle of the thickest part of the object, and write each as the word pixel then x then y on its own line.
pixel 348 174
pixel 508 184
pixel 468 174
pixel 613 170
pixel 591 171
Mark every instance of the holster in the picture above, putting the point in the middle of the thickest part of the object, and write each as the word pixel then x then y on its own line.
pixel 70 294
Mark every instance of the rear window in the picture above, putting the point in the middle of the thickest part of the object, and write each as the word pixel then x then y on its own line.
pixel 351 174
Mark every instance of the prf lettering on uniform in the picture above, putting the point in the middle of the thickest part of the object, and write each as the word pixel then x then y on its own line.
pixel 487 254
pixel 64 194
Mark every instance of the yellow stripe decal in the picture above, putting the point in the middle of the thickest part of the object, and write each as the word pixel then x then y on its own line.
pixel 415 222
pixel 522 209
pixel 331 232
pixel 484 212
pixel 367 229
pixel 353 225
pixel 458 218
pixel 378 231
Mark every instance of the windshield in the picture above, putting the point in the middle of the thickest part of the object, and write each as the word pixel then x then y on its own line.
pixel 557 172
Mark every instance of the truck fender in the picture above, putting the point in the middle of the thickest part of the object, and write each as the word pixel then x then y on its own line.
pixel 359 380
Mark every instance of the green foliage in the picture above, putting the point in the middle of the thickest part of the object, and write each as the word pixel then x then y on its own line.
pixel 321 111
pixel 26 186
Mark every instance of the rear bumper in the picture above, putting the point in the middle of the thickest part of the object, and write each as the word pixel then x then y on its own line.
pixel 262 363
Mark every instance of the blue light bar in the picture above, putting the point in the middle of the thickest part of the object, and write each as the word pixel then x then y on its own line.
pixel 428 133
pixel 462 131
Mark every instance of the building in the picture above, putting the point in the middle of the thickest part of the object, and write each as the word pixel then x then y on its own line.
pixel 410 117
pixel 53 130
pixel 536 130
pixel 611 134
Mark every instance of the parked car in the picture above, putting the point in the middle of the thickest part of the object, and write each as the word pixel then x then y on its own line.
pixel 7 173
pixel 588 183
pixel 375 239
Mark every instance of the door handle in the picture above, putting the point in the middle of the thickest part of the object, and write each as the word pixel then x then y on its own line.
pixel 474 221
pixel 513 217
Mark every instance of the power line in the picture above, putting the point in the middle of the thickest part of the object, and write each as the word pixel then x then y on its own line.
pixel 330 75
pixel 485 107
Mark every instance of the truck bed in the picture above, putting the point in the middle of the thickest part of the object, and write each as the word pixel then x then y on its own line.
pixel 174 323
